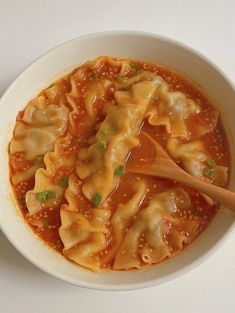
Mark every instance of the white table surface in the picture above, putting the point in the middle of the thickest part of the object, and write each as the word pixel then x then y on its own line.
pixel 28 28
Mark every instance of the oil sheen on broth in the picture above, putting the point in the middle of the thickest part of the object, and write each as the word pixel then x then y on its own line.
pixel 69 158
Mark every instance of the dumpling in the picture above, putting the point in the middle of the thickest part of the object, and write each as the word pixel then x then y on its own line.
pixel 145 242
pixel 203 123
pixel 172 110
pixel 127 82
pixel 83 235
pixel 122 64
pixel 123 216
pixel 192 155
pixel 40 127
pixel 56 93
pixel 116 136
pixel 36 134
pixel 95 91
pixel 196 161
pixel 48 192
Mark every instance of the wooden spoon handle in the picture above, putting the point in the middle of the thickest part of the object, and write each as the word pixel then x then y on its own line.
pixel 223 196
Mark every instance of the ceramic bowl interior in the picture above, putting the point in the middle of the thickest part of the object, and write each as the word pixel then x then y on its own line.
pixel 54 64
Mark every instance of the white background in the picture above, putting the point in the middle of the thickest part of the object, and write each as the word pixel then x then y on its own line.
pixel 28 29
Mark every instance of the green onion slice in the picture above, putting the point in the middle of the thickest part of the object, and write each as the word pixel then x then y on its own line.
pixel 221 130
pixel 46 195
pixel 63 181
pixel 208 172
pixel 45 222
pixel 121 79
pixel 38 159
pixel 136 66
pixel 196 213
pixel 103 144
pixel 21 201
pixel 94 75
pixel 126 88
pixel 119 170
pixel 211 163
pixel 96 199
pixel 105 133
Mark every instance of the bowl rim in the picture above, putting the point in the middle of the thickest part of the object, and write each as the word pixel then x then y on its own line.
pixel 127 286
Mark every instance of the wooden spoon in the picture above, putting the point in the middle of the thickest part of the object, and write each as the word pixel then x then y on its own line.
pixel 163 166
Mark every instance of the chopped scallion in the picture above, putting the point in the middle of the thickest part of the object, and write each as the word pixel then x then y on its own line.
pixel 63 181
pixel 105 133
pixel 136 66
pixel 211 163
pixel 196 213
pixel 94 75
pixel 46 195
pixel 45 222
pixel 119 170
pixel 221 130
pixel 38 159
pixel 121 79
pixel 208 172
pixel 21 201
pixel 126 88
pixel 96 199
pixel 103 144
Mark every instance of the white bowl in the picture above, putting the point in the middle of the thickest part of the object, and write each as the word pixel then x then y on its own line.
pixel 50 66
